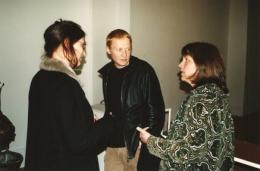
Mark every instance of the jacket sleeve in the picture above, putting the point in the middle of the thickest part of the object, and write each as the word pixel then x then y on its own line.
pixel 155 104
pixel 176 147
pixel 195 136
pixel 76 122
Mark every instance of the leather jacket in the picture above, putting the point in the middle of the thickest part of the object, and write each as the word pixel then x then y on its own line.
pixel 141 101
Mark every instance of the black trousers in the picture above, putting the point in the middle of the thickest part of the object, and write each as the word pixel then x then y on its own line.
pixel 147 161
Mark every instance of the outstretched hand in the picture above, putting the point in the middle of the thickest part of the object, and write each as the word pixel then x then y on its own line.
pixel 144 135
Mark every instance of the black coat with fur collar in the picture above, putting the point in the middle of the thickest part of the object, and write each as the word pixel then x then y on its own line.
pixel 61 130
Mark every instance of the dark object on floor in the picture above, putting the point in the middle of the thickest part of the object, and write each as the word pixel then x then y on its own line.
pixel 7 132
pixel 8 159
pixel 7 129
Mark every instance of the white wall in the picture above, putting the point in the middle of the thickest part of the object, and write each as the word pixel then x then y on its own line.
pixel 107 16
pixel 21 32
pixel 22 26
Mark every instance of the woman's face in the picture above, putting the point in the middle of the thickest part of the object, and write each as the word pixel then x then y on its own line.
pixel 188 69
pixel 80 50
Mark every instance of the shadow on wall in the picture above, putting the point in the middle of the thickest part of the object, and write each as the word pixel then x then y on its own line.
pixel 247 127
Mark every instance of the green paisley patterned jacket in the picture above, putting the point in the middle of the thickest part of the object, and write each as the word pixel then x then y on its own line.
pixel 202 135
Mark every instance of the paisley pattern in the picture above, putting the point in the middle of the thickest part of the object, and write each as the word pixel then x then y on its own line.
pixel 202 135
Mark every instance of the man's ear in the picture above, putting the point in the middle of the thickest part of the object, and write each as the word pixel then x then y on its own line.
pixel 108 51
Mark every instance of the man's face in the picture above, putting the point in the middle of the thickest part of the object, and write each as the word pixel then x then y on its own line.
pixel 120 51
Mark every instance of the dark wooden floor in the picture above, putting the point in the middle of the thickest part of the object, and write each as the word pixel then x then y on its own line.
pixel 247 136
pixel 240 167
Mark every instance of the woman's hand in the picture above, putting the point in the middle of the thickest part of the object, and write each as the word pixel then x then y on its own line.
pixel 144 135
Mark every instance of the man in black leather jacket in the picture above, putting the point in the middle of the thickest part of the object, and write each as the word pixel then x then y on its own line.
pixel 132 95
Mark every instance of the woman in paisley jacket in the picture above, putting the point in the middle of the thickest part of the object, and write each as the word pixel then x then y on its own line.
pixel 202 135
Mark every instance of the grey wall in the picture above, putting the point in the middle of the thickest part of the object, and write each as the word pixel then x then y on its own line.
pixel 161 28
pixel 236 57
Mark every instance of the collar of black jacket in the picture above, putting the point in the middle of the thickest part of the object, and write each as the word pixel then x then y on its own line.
pixel 108 66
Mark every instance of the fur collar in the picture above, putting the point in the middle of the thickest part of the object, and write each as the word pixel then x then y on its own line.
pixel 52 64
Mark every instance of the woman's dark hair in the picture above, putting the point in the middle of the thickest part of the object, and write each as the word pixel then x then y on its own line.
pixel 65 33
pixel 209 62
